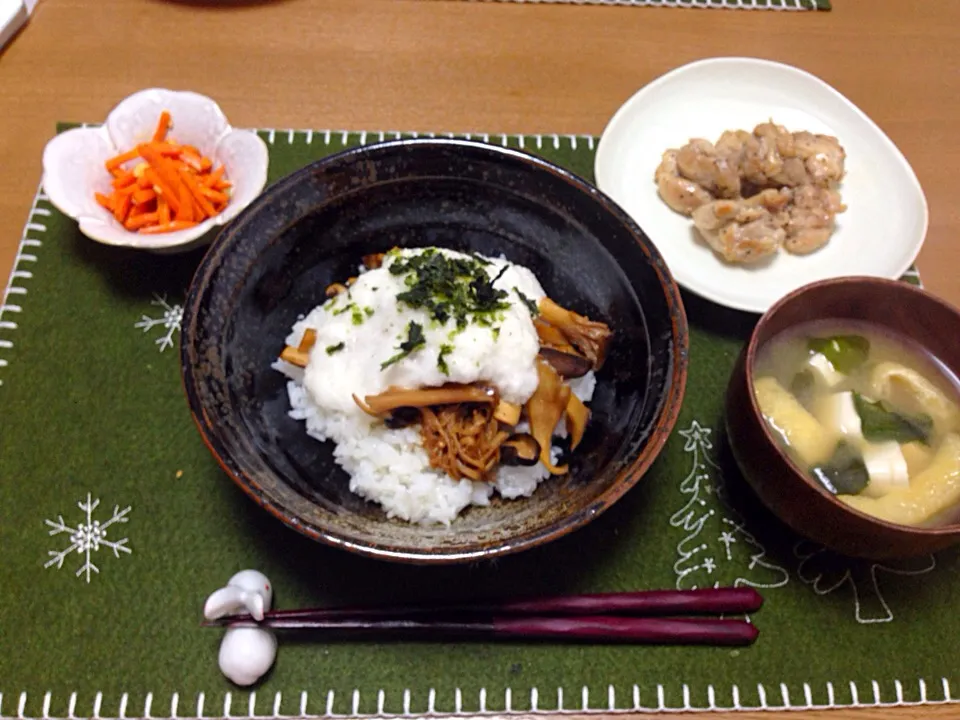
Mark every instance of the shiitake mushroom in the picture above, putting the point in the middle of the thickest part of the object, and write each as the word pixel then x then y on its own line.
pixel 568 365
pixel 520 449
pixel 402 417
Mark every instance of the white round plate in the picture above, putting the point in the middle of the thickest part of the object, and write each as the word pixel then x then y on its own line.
pixel 880 234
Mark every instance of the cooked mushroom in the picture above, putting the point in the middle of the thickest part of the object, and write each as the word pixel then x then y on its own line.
pixel 294 356
pixel 402 417
pixel 449 394
pixel 462 440
pixel 568 364
pixel 300 355
pixel 550 336
pixel 577 416
pixel 373 261
pixel 520 449
pixel 507 413
pixel 588 336
pixel 334 289
pixel 545 408
pixel 308 340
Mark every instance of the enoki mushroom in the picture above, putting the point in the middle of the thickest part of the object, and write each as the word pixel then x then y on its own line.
pixel 462 440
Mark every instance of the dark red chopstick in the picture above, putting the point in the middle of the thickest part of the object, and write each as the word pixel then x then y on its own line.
pixel 645 603
pixel 710 601
pixel 630 617
pixel 586 628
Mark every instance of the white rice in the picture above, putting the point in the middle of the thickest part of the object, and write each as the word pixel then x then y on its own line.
pixel 390 466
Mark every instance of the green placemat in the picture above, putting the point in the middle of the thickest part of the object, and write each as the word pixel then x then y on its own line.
pixel 103 619
pixel 717 4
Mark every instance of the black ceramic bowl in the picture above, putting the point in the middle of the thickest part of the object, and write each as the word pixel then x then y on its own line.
pixel 273 262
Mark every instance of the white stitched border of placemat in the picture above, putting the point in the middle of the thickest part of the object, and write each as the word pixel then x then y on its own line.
pixel 276 706
pixel 782 5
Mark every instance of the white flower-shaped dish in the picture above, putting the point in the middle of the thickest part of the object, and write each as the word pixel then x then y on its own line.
pixel 73 164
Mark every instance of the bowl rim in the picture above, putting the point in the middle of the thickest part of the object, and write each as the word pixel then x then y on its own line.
pixel 754 345
pixel 627 477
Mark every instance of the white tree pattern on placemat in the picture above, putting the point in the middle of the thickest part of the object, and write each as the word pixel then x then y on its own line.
pixel 169 320
pixel 87 537
pixel 826 572
pixel 717 549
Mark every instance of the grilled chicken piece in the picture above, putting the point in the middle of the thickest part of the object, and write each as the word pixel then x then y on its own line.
pixel 744 231
pixel 811 219
pixel 701 162
pixel 806 158
pixel 681 194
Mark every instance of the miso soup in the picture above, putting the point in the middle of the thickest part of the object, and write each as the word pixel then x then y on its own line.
pixel 871 416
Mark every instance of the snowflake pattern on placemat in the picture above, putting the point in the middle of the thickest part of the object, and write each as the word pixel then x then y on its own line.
pixel 169 320
pixel 827 572
pixel 717 550
pixel 87 537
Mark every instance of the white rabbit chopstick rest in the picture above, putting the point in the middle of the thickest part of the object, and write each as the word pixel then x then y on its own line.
pixel 246 653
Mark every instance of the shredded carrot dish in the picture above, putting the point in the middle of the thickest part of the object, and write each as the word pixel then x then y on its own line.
pixel 161 185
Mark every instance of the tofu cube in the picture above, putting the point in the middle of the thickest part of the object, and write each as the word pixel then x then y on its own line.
pixel 824 371
pixel 838 413
pixel 886 466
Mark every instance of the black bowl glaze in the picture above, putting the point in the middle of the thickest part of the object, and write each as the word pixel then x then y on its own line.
pixel 272 263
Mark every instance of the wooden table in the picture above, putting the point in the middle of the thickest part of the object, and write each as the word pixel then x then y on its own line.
pixel 467 66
